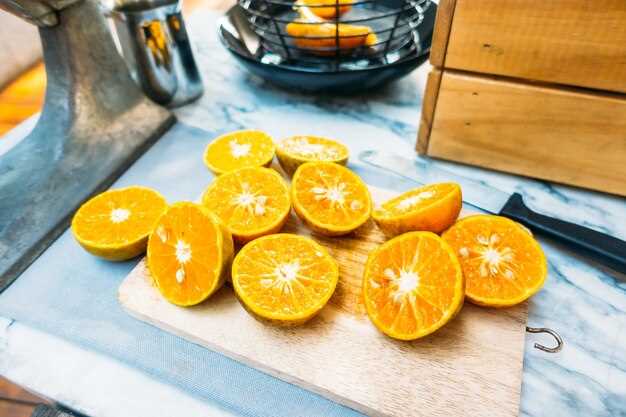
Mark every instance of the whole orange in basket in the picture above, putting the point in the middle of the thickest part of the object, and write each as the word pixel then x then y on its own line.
pixel 296 150
pixel 284 279
pixel 335 7
pixel 329 198
pixel 240 149
pixel 115 225
pixel 502 262
pixel 189 253
pixel 251 202
pixel 412 285
pixel 431 208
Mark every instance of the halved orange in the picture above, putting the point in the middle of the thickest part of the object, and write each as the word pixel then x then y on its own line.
pixel 502 262
pixel 251 202
pixel 115 224
pixel 334 7
pixel 431 208
pixel 321 38
pixel 296 150
pixel 329 198
pixel 285 279
pixel 412 285
pixel 189 253
pixel 240 149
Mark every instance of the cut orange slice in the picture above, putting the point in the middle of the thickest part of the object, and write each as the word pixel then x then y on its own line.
pixel 329 198
pixel 189 253
pixel 321 38
pixel 412 285
pixel 334 7
pixel 251 202
pixel 296 150
pixel 285 279
pixel 115 225
pixel 240 149
pixel 431 208
pixel 502 262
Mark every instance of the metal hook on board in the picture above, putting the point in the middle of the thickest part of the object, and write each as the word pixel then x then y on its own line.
pixel 557 337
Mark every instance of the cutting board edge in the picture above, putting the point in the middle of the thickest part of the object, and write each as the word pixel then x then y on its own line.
pixel 520 317
pixel 259 366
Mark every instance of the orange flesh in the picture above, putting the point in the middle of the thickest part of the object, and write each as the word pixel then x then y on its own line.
pixel 185 254
pixel 118 217
pixel 244 148
pixel 415 199
pixel 331 195
pixel 501 261
pixel 412 285
pixel 249 200
pixel 284 276
pixel 313 148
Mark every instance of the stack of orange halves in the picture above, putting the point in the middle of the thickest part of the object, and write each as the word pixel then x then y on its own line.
pixel 412 284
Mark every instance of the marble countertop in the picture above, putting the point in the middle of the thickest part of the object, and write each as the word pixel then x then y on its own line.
pixel 584 302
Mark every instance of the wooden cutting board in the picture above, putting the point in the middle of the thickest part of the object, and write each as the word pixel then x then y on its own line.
pixel 471 367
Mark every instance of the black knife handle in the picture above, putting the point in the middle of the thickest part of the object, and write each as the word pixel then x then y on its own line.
pixel 601 247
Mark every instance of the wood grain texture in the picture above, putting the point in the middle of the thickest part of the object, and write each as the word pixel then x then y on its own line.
pixel 15 409
pixel 472 366
pixel 560 135
pixel 429 104
pixel 443 24
pixel 16 401
pixel 574 42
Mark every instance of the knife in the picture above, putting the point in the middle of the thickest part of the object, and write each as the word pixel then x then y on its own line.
pixel 603 248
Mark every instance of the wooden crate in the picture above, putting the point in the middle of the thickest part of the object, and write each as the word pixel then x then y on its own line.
pixel 523 86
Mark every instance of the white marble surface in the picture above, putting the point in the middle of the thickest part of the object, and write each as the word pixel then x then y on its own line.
pixel 584 303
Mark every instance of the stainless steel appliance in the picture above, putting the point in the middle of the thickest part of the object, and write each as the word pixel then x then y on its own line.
pixel 95 122
pixel 156 46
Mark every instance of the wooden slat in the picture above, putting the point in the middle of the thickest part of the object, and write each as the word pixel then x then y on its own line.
pixel 15 409
pixel 12 391
pixel 443 23
pixel 571 137
pixel 15 401
pixel 574 42
pixel 429 103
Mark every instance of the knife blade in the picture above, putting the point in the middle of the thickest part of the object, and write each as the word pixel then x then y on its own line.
pixel 603 248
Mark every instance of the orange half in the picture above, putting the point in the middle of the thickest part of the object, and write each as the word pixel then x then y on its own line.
pixel 502 262
pixel 326 9
pixel 412 285
pixel 188 254
pixel 240 149
pixel 325 38
pixel 296 150
pixel 285 279
pixel 431 208
pixel 115 224
pixel 329 198
pixel 251 202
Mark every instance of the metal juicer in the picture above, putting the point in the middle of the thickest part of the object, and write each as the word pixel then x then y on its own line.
pixel 95 122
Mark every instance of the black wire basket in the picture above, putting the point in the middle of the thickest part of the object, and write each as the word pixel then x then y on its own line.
pixel 337 36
